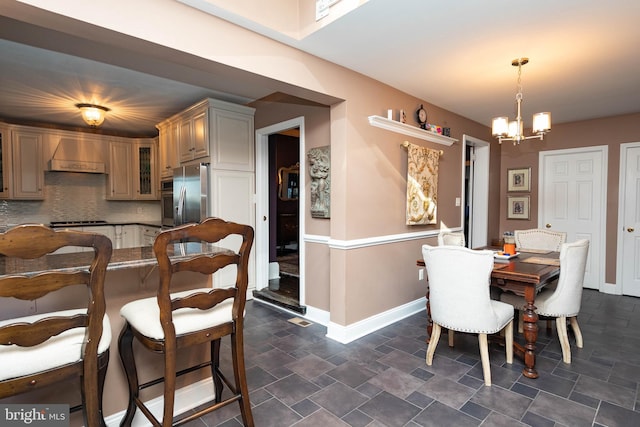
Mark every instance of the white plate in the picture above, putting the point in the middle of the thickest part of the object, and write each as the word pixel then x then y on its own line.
pixel 499 255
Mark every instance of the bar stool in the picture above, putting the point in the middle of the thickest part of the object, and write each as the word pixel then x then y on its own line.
pixel 170 321
pixel 46 348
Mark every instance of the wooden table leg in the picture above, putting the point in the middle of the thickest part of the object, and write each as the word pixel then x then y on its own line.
pixel 530 318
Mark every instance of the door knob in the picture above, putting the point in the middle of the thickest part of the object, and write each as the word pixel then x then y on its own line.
pixel 548 225
pixel 264 218
pixel 630 229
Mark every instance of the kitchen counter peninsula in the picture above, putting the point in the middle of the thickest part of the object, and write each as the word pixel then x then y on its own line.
pixel 121 259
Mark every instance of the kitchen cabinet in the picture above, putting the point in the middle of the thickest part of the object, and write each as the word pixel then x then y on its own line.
pixel 27 162
pixel 193 138
pixel 5 163
pixel 148 234
pixel 122 236
pixel 231 132
pixel 133 171
pixel 167 150
pixel 218 131
pixel 145 170
pixel 120 183
pixel 107 230
pixel 130 236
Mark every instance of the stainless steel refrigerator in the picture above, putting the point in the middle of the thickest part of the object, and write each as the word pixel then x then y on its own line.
pixel 190 193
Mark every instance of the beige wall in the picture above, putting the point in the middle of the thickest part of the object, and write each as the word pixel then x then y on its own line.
pixel 368 165
pixel 610 131
pixel 367 198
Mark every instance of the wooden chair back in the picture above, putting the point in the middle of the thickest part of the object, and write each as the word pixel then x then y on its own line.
pixel 26 276
pixel 191 317
pixel 210 231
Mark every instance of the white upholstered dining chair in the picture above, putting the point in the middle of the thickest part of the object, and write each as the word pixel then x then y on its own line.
pixel 460 301
pixel 451 238
pixel 564 301
pixel 539 239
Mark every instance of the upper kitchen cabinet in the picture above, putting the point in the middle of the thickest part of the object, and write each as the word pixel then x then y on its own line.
pixel 5 163
pixel 133 170
pixel 193 141
pixel 219 132
pixel 120 183
pixel 27 164
pixel 168 151
pixel 145 154
pixel 231 132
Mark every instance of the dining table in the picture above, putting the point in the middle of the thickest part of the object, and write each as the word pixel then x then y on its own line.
pixel 524 273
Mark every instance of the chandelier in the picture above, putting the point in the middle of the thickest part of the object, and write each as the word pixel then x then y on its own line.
pixel 506 130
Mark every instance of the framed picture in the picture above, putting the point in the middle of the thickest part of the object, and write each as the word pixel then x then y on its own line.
pixel 519 179
pixel 518 207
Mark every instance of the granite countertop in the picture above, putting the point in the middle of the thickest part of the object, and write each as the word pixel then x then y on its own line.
pixel 143 223
pixel 158 224
pixel 120 259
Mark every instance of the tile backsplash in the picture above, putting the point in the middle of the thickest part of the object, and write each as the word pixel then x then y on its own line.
pixel 76 196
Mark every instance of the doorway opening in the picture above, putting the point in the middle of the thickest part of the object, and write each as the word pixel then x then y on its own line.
pixel 475 208
pixel 279 276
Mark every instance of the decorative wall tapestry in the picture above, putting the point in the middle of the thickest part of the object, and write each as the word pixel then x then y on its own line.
pixel 422 184
pixel 320 173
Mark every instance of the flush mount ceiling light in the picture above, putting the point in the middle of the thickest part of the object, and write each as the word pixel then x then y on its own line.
pixel 92 114
pixel 506 130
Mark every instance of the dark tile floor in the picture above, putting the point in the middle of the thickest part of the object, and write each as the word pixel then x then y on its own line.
pixel 299 377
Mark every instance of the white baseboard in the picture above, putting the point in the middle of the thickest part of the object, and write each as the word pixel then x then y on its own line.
pixel 186 398
pixel 347 334
pixel 610 288
pixel 318 316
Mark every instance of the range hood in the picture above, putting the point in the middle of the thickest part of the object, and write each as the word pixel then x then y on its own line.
pixel 74 155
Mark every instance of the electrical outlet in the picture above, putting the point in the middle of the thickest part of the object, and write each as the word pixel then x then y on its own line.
pixel 421 274
pixel 458 201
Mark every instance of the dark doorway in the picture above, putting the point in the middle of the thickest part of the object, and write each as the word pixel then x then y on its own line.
pixel 284 209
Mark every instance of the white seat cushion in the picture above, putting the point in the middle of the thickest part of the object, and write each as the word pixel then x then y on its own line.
pixel 144 315
pixel 57 351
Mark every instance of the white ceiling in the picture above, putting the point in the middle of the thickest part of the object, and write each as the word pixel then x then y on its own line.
pixel 584 63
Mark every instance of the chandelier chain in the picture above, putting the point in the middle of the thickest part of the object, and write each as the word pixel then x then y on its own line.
pixel 519 84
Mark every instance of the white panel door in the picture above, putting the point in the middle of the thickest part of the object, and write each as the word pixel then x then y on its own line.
pixel 629 249
pixel 573 199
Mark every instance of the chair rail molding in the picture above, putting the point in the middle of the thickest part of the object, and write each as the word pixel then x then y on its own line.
pixel 405 129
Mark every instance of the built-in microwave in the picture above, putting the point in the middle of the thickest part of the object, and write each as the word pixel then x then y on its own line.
pixel 166 197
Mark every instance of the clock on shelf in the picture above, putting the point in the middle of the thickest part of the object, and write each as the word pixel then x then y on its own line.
pixel 421 116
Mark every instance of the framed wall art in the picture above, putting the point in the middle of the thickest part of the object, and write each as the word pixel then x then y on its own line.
pixel 518 207
pixel 519 179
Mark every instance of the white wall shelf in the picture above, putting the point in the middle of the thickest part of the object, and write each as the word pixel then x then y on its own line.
pixel 405 129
